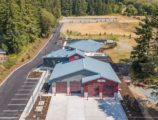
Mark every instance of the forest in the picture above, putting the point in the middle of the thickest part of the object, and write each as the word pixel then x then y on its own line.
pixel 24 21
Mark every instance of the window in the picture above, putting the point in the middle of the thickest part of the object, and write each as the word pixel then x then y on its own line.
pixel 108 87
pixel 76 57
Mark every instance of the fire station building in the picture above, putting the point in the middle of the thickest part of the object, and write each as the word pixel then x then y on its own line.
pixel 86 76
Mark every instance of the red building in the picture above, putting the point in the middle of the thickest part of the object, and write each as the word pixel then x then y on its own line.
pixel 62 56
pixel 101 87
pixel 87 76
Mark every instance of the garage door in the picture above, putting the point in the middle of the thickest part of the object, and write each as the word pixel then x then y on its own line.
pixel 93 90
pixel 61 87
pixel 108 91
pixel 75 87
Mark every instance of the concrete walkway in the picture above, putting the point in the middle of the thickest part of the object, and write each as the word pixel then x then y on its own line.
pixel 64 107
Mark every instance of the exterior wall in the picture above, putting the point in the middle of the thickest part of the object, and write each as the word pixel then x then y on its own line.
pixel 51 62
pixel 102 85
pixel 74 57
pixel 3 58
pixel 70 78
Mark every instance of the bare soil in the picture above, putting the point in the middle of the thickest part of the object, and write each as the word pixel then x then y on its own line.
pixel 35 74
pixel 34 115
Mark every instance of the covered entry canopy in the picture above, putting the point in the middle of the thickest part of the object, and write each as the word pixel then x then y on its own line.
pixel 101 70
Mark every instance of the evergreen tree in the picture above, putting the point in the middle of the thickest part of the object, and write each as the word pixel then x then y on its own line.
pixel 67 7
pixel 99 8
pixel 91 7
pixel 142 64
pixel 20 22
pixel 80 7
pixel 10 32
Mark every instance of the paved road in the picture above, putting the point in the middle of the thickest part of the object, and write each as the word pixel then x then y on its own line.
pixel 17 84
pixel 88 20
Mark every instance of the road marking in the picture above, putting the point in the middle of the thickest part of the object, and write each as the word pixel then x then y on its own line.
pixel 33 79
pixel 32 85
pixel 24 90
pixel 19 98
pixel 16 104
pixel 8 118
pixel 12 110
pixel 27 87
pixel 19 94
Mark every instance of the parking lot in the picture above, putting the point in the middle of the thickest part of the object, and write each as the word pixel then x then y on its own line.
pixel 18 102
pixel 64 107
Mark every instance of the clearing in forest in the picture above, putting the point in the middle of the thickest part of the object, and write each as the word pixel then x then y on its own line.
pixel 123 30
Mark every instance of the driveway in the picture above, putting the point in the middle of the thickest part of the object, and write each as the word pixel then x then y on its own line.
pixel 64 107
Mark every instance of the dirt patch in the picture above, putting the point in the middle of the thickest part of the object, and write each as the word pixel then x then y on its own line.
pixel 35 74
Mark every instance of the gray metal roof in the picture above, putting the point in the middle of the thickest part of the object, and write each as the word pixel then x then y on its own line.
pixel 86 45
pixel 2 52
pixel 102 69
pixel 64 53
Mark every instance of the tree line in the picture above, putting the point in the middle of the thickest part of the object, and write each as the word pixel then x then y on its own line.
pixel 104 7
pixel 24 21
pixel 90 7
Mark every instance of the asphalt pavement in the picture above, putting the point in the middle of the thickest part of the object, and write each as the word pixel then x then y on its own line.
pixel 16 91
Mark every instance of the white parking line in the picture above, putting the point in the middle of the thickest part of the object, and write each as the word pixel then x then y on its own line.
pixel 19 99
pixel 16 104
pixel 24 90
pixel 21 94
pixel 30 88
pixel 28 85
pixel 33 78
pixel 12 110
pixel 8 118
